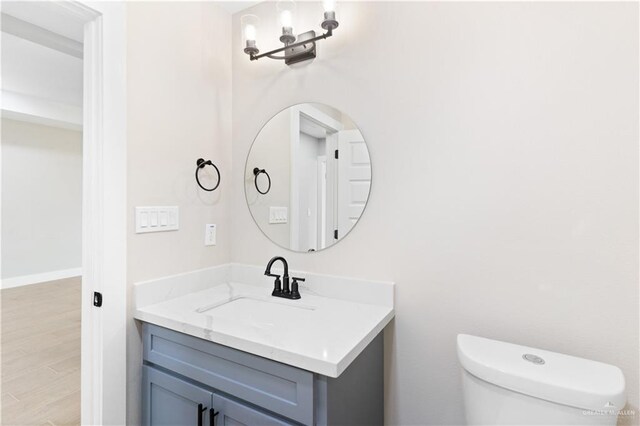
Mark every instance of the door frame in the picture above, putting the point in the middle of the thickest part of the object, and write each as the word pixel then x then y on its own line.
pixel 104 335
pixel 104 204
pixel 322 202
pixel 333 126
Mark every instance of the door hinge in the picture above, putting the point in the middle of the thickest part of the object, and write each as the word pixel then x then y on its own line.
pixel 337 154
pixel 335 234
pixel 97 299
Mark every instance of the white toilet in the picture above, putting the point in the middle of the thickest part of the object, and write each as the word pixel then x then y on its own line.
pixel 507 384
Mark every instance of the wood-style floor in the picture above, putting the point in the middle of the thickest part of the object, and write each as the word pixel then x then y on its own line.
pixel 40 345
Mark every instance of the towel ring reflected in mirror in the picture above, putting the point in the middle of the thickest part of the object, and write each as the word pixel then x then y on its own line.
pixel 256 173
pixel 201 163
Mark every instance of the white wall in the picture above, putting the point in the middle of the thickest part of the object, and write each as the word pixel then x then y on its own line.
pixel 41 199
pixel 178 109
pixel 504 146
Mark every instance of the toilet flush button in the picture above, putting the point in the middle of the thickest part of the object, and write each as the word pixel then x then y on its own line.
pixel 533 358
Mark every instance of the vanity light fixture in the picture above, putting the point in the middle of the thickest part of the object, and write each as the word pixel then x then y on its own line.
pixel 296 48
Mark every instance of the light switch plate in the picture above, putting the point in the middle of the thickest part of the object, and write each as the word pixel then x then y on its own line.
pixel 278 214
pixel 157 219
pixel 210 234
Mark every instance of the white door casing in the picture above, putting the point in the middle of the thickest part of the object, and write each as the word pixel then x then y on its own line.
pixel 322 202
pixel 332 127
pixel 104 357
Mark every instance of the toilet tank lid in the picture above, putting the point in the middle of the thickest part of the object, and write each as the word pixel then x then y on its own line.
pixel 551 376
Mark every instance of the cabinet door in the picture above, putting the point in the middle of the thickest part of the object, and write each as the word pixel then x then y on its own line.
pixel 169 401
pixel 232 413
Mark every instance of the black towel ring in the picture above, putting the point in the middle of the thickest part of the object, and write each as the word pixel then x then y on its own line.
pixel 200 165
pixel 256 172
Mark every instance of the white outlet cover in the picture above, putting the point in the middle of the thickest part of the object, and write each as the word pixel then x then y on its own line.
pixel 210 231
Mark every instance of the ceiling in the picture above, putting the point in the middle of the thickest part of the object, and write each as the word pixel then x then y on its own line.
pixel 236 6
pixel 45 15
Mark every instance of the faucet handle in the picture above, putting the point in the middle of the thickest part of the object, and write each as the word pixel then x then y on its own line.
pixel 295 294
pixel 277 285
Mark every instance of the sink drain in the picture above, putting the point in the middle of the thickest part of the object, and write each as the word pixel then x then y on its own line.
pixel 533 358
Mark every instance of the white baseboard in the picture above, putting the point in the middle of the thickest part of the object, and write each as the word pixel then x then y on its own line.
pixel 40 278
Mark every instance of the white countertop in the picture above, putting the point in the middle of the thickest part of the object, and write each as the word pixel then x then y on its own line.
pixel 316 333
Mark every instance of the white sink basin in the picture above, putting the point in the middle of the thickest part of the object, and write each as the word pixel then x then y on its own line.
pixel 257 310
pixel 249 302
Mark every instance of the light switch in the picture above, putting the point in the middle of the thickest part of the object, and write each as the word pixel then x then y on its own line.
pixel 144 219
pixel 156 219
pixel 278 214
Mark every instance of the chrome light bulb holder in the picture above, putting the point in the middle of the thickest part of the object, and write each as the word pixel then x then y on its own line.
pixel 287 36
pixel 251 48
pixel 329 22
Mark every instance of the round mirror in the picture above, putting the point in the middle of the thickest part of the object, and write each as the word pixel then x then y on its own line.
pixel 308 177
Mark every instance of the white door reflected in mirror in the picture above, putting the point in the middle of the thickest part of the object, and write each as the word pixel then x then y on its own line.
pixel 308 177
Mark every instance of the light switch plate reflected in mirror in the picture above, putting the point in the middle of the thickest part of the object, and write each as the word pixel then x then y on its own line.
pixel 278 215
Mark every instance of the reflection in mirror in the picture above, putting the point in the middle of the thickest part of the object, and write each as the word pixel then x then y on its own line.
pixel 307 177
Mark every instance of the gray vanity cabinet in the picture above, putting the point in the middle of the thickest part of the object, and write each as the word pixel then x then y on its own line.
pixel 186 380
pixel 170 401
pixel 232 413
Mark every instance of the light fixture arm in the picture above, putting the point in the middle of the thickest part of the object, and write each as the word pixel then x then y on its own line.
pixel 271 53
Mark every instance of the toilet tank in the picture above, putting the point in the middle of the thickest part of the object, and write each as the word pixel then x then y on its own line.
pixel 507 384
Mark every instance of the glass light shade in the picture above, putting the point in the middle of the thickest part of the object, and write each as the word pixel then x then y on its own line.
pixel 286 13
pixel 286 18
pixel 329 5
pixel 250 32
pixel 329 23
pixel 249 25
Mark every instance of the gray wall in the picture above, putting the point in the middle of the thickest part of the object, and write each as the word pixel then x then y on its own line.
pixel 504 145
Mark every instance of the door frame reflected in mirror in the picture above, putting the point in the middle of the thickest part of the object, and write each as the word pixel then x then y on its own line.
pixel 309 120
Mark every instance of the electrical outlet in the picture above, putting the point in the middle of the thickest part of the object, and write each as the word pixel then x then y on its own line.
pixel 210 234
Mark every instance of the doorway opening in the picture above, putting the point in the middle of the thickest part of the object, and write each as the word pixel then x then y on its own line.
pixel 53 138
pixel 41 133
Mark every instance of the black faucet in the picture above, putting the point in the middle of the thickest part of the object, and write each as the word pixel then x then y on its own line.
pixel 281 288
